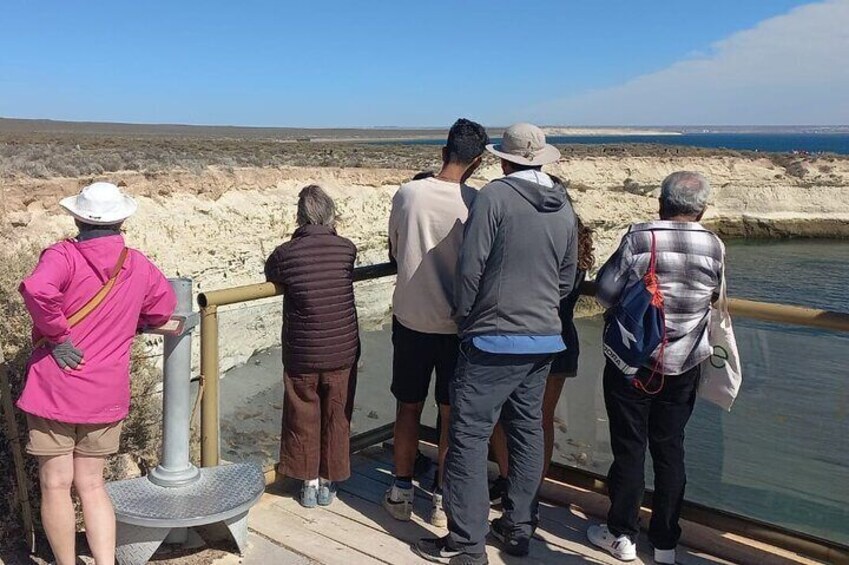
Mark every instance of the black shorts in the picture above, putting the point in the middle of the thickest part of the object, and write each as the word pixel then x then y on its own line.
pixel 415 357
pixel 565 363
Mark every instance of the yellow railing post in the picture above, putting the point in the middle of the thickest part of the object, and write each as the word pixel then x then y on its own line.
pixel 209 371
pixel 788 314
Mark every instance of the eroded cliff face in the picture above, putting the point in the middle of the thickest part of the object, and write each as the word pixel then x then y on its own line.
pixel 218 225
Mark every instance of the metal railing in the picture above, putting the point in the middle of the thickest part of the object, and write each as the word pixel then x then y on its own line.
pixel 818 548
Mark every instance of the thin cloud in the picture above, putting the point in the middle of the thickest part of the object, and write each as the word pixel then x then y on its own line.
pixel 790 69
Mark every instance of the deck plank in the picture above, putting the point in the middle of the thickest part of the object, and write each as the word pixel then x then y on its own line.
pixel 291 532
pixel 356 530
pixel 340 526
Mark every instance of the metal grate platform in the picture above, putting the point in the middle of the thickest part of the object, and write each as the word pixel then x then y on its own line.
pixel 219 493
pixel 147 513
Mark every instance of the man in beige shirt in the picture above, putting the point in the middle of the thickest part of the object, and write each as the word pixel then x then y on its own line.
pixel 425 233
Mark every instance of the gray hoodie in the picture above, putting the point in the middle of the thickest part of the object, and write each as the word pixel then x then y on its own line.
pixel 517 261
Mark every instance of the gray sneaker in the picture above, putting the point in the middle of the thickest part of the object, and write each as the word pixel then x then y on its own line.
pixel 437 513
pixel 326 493
pixel 399 503
pixel 512 544
pixel 437 550
pixel 309 496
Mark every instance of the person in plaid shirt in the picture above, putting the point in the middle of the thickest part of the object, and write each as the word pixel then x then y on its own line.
pixel 689 271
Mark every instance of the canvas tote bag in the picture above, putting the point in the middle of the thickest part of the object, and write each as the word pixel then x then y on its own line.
pixel 721 376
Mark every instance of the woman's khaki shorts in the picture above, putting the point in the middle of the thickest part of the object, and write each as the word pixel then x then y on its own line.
pixel 48 438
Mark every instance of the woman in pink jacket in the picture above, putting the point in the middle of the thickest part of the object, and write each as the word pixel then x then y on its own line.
pixel 77 391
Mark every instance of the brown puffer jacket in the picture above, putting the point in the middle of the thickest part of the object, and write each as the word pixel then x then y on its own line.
pixel 315 269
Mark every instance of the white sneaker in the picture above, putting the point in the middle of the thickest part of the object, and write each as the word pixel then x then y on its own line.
pixel 665 556
pixel 621 547
pixel 399 503
pixel 437 513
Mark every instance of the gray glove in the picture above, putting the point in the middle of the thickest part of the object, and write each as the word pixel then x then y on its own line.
pixel 66 355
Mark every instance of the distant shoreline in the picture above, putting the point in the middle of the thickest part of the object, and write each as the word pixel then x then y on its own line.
pixel 23 127
pixel 600 132
pixel 496 132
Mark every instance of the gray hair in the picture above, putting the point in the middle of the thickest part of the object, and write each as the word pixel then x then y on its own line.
pixel 684 193
pixel 315 207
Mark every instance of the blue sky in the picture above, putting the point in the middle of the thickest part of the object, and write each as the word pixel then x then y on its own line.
pixel 394 62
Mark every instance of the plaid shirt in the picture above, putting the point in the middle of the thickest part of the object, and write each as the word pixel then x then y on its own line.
pixel 689 270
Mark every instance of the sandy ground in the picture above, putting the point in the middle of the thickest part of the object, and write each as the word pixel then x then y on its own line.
pixel 252 400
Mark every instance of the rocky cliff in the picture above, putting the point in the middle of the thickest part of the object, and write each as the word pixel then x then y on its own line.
pixel 218 224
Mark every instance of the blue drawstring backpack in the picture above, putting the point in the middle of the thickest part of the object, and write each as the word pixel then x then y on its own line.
pixel 636 327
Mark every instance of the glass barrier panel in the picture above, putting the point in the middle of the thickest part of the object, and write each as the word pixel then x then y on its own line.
pixel 251 387
pixel 374 405
pixel 252 372
pixel 781 455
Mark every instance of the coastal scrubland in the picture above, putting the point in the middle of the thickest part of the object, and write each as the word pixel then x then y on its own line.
pixel 46 155
pixel 213 207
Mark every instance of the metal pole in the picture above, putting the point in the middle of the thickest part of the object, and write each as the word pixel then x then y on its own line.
pixel 209 446
pixel 174 468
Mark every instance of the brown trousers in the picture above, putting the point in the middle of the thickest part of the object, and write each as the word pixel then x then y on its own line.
pixel 315 439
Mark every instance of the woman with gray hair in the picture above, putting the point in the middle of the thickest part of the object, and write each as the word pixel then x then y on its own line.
pixel 320 348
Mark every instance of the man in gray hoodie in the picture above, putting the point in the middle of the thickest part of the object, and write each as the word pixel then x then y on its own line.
pixel 517 261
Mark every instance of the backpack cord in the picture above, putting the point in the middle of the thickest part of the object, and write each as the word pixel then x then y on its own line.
pixel 657 299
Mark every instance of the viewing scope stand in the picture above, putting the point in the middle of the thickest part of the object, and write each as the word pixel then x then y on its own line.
pixel 177 495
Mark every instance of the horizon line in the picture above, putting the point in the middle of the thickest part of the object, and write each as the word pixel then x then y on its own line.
pixel 421 127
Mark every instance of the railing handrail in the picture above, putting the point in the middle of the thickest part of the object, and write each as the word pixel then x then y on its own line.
pixel 257 291
pixel 764 311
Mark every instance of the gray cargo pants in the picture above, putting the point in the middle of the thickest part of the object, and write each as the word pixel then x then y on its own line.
pixel 487 387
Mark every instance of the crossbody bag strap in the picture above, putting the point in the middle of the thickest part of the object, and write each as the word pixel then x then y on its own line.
pixel 722 301
pixel 104 291
pixel 95 301
pixel 653 260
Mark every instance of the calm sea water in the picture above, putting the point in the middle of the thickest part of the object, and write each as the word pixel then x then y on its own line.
pixel 781 455
pixel 780 143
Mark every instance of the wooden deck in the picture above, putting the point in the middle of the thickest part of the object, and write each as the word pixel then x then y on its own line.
pixel 356 530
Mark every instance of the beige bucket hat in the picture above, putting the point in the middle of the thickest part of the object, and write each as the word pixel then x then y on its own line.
pixel 524 144
pixel 100 204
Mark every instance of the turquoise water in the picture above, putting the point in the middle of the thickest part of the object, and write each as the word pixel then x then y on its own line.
pixel 772 142
pixel 810 273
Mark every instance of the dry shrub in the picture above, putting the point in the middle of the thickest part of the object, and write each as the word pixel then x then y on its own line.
pixel 793 165
pixel 796 169
pixel 14 333
pixel 142 429
pixel 74 150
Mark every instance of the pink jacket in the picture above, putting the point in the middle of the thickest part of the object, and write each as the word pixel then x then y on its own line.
pixel 66 277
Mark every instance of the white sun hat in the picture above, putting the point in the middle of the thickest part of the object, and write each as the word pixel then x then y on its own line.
pixel 101 204
pixel 525 144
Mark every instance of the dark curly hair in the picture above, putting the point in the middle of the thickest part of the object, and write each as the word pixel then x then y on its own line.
pixel 586 248
pixel 466 142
